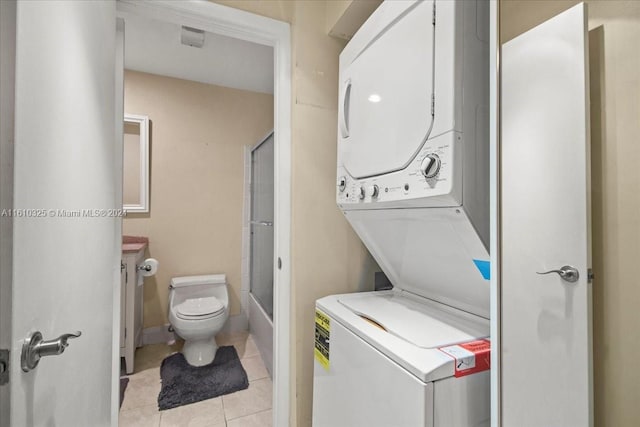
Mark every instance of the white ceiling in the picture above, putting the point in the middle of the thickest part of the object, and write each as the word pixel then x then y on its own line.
pixel 154 47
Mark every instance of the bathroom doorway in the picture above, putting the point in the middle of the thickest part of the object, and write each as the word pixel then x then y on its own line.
pixel 217 25
pixel 85 60
pixel 260 262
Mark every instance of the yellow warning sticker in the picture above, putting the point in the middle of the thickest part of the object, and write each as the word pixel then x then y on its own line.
pixel 323 328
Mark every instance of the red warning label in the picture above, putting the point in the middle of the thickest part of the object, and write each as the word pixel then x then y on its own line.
pixel 470 357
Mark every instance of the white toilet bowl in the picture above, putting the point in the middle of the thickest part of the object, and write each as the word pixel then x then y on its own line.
pixel 198 309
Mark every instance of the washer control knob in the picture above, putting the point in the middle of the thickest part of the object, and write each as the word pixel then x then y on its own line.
pixel 360 193
pixel 373 191
pixel 430 166
pixel 342 183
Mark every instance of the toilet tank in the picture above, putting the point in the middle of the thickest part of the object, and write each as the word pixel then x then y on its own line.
pixel 199 287
pixel 209 279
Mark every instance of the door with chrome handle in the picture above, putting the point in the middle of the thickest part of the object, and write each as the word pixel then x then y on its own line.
pixel 566 272
pixel 34 348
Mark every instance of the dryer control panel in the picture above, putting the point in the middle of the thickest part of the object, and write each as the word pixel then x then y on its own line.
pixel 429 180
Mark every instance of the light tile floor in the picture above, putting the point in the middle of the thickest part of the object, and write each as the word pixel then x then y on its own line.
pixel 245 408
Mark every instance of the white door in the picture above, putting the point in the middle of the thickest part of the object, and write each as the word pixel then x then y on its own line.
pixel 546 319
pixel 65 241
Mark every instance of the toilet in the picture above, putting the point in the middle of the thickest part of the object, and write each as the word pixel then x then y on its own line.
pixel 198 309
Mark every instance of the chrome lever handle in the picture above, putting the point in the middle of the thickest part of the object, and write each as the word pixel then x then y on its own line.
pixel 566 272
pixel 34 348
pixel 62 341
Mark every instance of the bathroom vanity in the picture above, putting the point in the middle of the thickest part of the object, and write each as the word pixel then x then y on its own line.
pixel 131 298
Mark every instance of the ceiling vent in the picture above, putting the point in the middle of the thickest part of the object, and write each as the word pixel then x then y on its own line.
pixel 192 37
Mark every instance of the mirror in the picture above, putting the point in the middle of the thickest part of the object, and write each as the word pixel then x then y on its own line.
pixel 135 164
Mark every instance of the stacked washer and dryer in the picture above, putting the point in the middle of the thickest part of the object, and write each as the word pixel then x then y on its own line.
pixel 413 181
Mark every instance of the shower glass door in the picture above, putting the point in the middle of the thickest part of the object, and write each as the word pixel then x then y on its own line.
pixel 262 174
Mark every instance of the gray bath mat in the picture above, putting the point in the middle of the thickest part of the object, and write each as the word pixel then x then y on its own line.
pixel 183 384
pixel 123 387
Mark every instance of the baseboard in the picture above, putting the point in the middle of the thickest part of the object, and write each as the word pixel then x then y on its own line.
pixel 157 335
pixel 236 323
pixel 161 334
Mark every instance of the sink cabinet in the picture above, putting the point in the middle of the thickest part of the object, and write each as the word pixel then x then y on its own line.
pixel 131 300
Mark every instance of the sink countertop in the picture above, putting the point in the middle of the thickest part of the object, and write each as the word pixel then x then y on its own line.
pixel 134 243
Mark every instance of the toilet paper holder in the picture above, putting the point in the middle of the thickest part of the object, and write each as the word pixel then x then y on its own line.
pixel 144 267
pixel 148 267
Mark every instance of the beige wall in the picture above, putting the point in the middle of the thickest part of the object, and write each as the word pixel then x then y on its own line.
pixel 614 39
pixel 198 132
pixel 327 257
pixel 344 17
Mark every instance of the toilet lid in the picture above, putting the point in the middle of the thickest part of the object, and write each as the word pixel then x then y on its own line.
pixel 199 307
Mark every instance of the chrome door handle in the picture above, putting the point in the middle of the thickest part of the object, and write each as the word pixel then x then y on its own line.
pixel 566 272
pixel 265 223
pixel 34 348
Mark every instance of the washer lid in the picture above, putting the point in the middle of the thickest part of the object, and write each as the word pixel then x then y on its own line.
pixel 386 88
pixel 431 252
pixel 417 321
pixel 199 307
pixel 406 324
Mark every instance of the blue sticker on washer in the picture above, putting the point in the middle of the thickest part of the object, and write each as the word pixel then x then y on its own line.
pixel 484 267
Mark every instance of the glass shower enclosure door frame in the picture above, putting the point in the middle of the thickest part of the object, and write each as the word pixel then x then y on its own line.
pixel 261 258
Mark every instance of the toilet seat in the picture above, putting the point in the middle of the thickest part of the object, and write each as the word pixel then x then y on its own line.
pixel 199 308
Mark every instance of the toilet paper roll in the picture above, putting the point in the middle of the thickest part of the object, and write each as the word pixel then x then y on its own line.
pixel 149 267
pixel 140 281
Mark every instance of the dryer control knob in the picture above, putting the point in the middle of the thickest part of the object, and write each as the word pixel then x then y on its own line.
pixel 430 166
pixel 360 193
pixel 373 191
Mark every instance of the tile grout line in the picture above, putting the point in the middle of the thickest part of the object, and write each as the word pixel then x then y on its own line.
pixel 251 415
pixel 257 412
pixel 224 411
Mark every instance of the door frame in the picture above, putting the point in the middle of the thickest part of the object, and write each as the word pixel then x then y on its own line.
pixel 494 209
pixel 250 27
pixel 7 103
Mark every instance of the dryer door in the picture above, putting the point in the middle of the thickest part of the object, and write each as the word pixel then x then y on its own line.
pixel 386 87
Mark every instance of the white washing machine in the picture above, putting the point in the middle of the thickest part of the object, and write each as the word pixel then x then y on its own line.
pixel 413 181
pixel 392 359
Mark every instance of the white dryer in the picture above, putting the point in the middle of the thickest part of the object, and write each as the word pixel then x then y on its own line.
pixel 413 181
